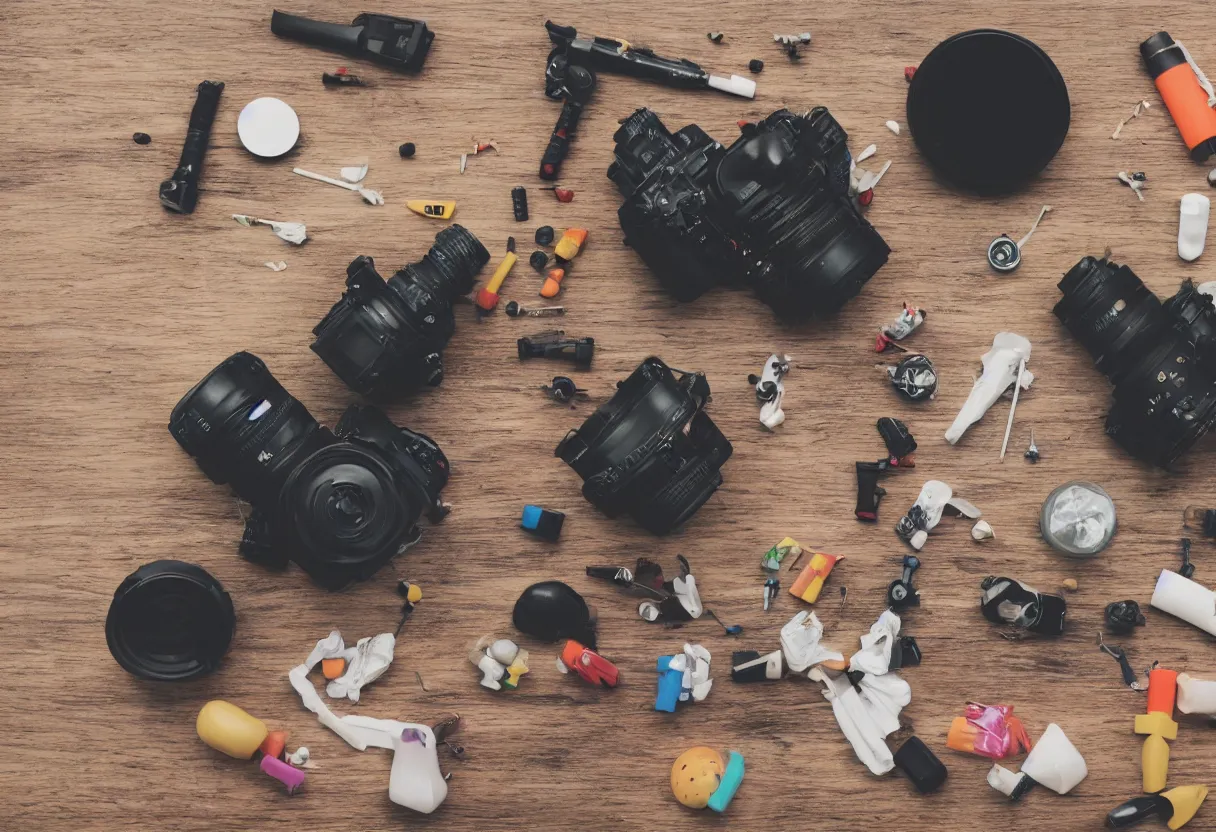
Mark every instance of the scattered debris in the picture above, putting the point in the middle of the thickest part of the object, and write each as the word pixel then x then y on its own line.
pixel 464 161
pixel 519 203
pixel 501 661
pixel 755 65
pixel 1122 617
pixel 1212 177
pixel 676 600
pixel 589 665
pixel 396 42
pixel 1054 762
pixel 555 345
pixel 800 645
pixel 567 248
pixel 1200 519
pixel 141 138
pixel 179 193
pixel 791 43
pixel 342 78
pixel 355 173
pixel 1007 601
pixel 1135 181
pixel 1004 365
pixel 1032 453
pixel 711 781
pixel 935 497
pixel 1125 666
pixel 437 209
pixel 982 530
pixel 514 310
pixel 1069 584
pixel 909 72
pixel 990 731
pixel 275 266
pixel 771 562
pixel 770 389
pixel 752 666
pixel 914 377
pixel 1140 108
pixel 908 321
pixel 542 522
pixel 369 196
pixel 772 585
pixel 563 389
pixel 716 37
pixel 900 592
pixel 1193 225
pixel 292 232
pixel 407 150
pixel 811 579
pixel 893 126
pixel 538 260
pixel 1004 254
pixel 901 453
pixel 544 235
pixel 1078 519
pixel 683 677
pixel 562 194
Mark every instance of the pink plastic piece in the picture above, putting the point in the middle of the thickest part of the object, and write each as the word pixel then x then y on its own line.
pixel 289 776
pixel 1000 733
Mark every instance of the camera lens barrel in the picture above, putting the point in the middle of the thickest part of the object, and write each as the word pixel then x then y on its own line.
pixel 170 621
pixel 1161 358
pixel 650 451
pixel 384 338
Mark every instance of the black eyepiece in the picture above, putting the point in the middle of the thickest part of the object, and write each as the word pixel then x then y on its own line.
pixel 170 621
pixel 650 451
pixel 384 338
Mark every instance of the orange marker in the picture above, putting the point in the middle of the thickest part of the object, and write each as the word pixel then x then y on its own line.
pixel 1189 102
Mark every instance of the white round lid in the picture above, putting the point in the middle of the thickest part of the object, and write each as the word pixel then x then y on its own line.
pixel 268 127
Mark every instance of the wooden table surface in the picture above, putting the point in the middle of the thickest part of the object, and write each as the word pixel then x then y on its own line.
pixel 114 307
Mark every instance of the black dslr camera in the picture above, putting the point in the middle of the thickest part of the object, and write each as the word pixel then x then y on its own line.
pixel 339 503
pixel 650 451
pixel 1161 357
pixel 385 337
pixel 771 211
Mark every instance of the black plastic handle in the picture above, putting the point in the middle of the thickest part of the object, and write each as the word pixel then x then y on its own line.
pixel 316 32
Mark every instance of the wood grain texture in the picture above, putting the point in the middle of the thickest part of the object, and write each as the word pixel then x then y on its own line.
pixel 113 308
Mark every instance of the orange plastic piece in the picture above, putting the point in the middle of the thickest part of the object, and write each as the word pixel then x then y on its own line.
pixel 332 668
pixel 814 574
pixel 571 243
pixel 553 283
pixel 1162 689
pixel 274 744
pixel 1188 104
pixel 961 736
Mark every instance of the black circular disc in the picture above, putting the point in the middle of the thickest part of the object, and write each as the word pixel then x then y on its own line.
pixel 988 110
pixel 170 621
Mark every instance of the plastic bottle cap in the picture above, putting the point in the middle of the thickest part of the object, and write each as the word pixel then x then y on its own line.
pixel 988 109
pixel 268 127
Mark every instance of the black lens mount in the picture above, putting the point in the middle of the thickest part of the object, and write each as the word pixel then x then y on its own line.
pixel 170 621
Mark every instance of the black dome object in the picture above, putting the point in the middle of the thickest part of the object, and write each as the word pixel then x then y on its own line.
pixel 551 611
pixel 988 110
pixel 170 621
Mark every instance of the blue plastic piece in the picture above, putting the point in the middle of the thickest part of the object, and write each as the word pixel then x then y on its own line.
pixel 731 778
pixel 670 682
pixel 531 517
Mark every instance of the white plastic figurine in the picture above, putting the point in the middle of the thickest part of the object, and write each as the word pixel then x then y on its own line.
pixel 770 389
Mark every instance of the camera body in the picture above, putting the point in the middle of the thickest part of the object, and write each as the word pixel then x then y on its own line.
pixel 771 211
pixel 386 337
pixel 650 451
pixel 339 503
pixel 1160 357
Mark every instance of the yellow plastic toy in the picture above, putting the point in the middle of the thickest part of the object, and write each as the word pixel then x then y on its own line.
pixel 228 729
pixel 439 209
pixel 1158 726
pixel 810 581
pixel 695 776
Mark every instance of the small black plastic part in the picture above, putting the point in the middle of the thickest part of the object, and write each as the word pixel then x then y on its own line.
pixel 396 42
pixel 544 235
pixel 922 766
pixel 915 378
pixel 551 611
pixel 542 522
pixel 1123 617
pixel 556 345
pixel 898 439
pixel 519 203
pixel 407 150
pixel 905 652
pixel 180 191
pixel 755 65
pixel 1008 601
pixel 716 37
pixel 539 260
pixel 341 79
pixel 170 621
pixel 141 138
pixel 511 244
pixel 869 492
pixel 1003 254
pixel 1140 809
pixel 901 593
pixel 1187 569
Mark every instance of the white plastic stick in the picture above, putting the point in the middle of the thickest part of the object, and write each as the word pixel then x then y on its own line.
pixel 307 174
pixel 1017 386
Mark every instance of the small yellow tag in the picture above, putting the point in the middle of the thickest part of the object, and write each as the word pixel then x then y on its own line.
pixel 439 209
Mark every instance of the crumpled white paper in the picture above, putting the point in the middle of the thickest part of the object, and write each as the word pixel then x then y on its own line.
pixel 800 642
pixel 685 589
pixel 1001 365
pixel 365 662
pixel 876 645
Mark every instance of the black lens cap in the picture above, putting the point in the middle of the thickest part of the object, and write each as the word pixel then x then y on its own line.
pixel 170 621
pixel 552 610
pixel 988 110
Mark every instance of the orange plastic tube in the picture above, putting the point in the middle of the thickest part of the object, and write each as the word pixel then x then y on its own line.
pixel 1188 105
pixel 1162 690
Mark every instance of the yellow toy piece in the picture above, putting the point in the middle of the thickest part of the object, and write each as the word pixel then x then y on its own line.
pixel 228 729
pixel 1186 801
pixel 517 668
pixel 695 776
pixel 571 243
pixel 810 581
pixel 414 594
pixel 439 209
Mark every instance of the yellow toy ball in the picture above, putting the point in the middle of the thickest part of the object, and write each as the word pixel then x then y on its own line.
pixel 414 594
pixel 695 776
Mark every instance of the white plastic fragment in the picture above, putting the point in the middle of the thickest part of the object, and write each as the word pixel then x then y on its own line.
pixel 1001 369
pixel 800 642
pixel 354 173
pixel 893 126
pixel 869 180
pixel 1193 225
pixel 735 85
pixel 292 232
pixel 1194 603
pixel 865 154
pixel 1208 288
pixel 982 531
pixel 694 664
pixel 492 671
pixel 369 196
pixel 1003 780
pixel 365 663
pixel 1196 696
pixel 1137 185
pixel 876 645
pixel 1054 762
pixel 932 500
pixel 685 589
pixel 275 266
pixel 1137 111
pixel 770 389
pixel 503 651
pixel 464 161
pixel 299 758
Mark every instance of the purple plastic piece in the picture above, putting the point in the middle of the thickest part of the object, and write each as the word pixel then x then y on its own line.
pixel 288 775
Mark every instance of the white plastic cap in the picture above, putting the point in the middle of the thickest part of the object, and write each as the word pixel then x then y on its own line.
pixel 735 85
pixel 1192 223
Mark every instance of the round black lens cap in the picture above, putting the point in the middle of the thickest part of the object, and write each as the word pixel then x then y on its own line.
pixel 988 110
pixel 170 621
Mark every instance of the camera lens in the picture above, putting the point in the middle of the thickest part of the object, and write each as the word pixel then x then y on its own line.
pixel 650 451
pixel 1161 358
pixel 384 338
pixel 170 621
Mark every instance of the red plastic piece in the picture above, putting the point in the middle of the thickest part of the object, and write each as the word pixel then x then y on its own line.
pixel 563 194
pixel 589 665
pixel 909 71
pixel 865 197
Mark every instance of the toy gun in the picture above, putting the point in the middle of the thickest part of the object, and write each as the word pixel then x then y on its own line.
pixel 570 78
